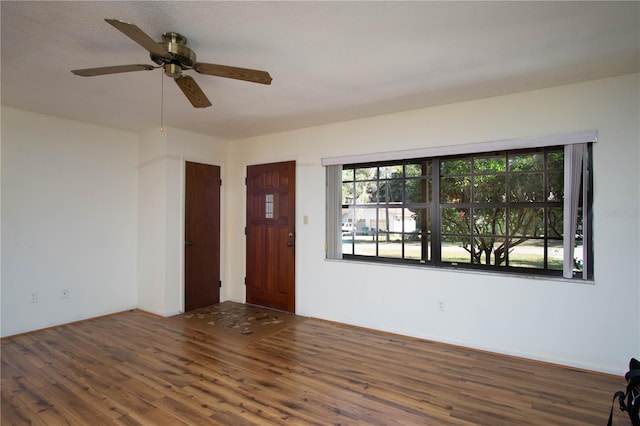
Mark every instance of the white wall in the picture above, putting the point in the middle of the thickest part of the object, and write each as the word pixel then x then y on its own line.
pixel 69 202
pixel 97 211
pixel 594 326
pixel 152 222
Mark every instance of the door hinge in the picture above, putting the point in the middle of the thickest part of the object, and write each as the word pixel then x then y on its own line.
pixel 245 280
pixel 220 284
pixel 245 230
pixel 245 181
pixel 220 182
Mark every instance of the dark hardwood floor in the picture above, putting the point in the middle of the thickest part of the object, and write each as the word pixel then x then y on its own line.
pixel 233 364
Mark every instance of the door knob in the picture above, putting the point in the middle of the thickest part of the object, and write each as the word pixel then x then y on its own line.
pixel 289 244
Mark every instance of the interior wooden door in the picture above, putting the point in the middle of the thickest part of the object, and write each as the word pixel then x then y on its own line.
pixel 202 236
pixel 270 279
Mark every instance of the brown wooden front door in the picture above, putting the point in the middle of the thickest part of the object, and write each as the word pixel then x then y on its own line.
pixel 271 232
pixel 202 236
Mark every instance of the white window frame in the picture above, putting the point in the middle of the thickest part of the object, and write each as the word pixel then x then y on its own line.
pixel 575 146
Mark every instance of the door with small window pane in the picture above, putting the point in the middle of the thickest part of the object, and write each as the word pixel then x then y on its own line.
pixel 270 235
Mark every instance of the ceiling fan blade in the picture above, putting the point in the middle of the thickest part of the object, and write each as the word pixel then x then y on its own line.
pixel 193 92
pixel 140 37
pixel 246 74
pixel 90 72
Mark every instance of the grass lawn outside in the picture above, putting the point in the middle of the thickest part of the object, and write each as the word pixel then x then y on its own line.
pixel 529 254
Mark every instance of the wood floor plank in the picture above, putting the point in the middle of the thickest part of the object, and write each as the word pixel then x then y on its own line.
pixel 238 403
pixel 269 369
pixel 154 416
pixel 20 416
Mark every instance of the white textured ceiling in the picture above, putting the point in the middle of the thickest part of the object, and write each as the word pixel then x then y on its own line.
pixel 330 61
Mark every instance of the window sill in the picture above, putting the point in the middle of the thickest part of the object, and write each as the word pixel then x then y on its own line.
pixel 467 271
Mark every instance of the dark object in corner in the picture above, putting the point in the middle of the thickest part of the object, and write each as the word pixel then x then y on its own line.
pixel 632 396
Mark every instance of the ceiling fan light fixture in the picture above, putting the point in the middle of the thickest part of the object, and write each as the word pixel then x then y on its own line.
pixel 173 70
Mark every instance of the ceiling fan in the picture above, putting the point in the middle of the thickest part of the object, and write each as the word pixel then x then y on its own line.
pixel 173 55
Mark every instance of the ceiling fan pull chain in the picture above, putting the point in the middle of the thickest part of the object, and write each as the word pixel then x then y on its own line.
pixel 162 102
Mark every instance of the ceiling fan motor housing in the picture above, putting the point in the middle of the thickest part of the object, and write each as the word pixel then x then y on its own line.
pixel 181 56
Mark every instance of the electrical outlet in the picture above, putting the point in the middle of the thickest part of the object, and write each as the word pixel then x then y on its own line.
pixel 64 294
pixel 440 305
pixel 34 296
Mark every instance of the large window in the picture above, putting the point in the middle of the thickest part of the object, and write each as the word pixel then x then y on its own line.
pixel 501 211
